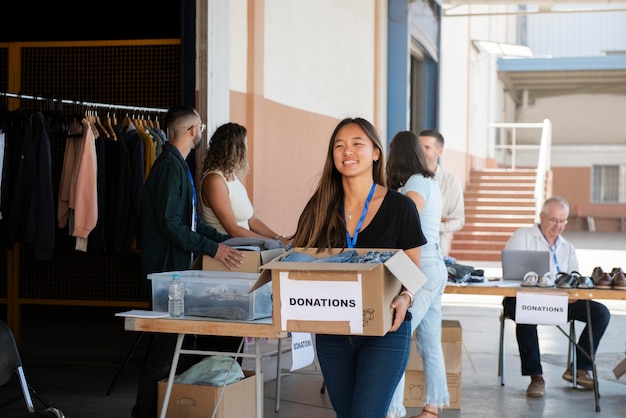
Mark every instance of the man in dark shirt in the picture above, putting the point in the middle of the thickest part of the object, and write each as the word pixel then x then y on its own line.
pixel 172 234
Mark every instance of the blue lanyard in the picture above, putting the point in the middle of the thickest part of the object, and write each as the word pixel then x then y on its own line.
pixel 552 250
pixel 556 263
pixel 352 241
pixel 194 216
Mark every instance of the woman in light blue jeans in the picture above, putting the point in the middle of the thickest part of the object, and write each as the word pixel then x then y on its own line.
pixel 426 323
pixel 407 170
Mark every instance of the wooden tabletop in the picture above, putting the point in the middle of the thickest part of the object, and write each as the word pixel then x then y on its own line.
pixel 495 288
pixel 262 328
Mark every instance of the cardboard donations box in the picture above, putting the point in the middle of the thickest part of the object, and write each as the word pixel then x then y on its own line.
pixel 252 261
pixel 338 297
pixel 198 401
pixel 452 344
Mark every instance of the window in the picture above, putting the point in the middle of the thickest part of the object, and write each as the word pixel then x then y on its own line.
pixel 608 183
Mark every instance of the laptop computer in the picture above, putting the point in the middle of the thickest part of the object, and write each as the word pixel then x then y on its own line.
pixel 516 263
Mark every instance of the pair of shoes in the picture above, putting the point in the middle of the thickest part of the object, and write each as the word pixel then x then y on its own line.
pixel 582 377
pixel 583 282
pixel 537 387
pixel 574 280
pixel 613 280
pixel 531 279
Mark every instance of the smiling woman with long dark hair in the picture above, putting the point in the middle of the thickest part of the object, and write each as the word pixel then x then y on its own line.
pixel 353 208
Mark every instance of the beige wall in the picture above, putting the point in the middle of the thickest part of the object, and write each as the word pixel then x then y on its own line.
pixel 286 155
pixel 295 69
pixel 574 184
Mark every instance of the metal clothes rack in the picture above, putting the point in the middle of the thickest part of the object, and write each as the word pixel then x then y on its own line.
pixel 12 299
pixel 83 103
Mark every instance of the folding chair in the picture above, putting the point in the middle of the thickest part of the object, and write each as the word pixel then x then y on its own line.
pixel 571 352
pixel 10 362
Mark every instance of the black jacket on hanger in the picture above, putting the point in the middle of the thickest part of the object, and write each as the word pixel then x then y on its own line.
pixel 27 198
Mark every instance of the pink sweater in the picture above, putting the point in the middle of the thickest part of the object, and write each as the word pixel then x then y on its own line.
pixel 78 198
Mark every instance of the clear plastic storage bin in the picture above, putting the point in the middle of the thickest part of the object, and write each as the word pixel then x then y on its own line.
pixel 215 294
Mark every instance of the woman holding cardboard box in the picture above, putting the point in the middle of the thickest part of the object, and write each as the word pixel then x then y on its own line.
pixel 224 201
pixel 351 207
pixel 407 171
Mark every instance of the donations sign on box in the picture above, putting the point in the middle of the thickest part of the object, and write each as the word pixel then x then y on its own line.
pixel 310 301
pixel 337 297
pixel 541 308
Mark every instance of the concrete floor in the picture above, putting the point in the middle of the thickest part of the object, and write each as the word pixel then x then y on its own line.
pixel 72 354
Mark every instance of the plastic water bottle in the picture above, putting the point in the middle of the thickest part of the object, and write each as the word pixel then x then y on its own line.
pixel 176 299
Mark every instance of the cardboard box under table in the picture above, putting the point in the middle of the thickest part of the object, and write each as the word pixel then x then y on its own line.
pixel 215 294
pixel 452 344
pixel 338 298
pixel 196 401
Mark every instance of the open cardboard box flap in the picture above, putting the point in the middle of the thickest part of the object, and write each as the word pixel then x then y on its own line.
pixel 400 265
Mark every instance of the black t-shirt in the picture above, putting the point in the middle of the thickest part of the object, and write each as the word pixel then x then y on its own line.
pixel 395 225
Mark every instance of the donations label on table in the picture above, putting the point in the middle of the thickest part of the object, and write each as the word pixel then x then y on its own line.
pixel 541 308
pixel 313 300
pixel 302 352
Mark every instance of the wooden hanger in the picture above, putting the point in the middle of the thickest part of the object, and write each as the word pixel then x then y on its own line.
pixel 101 127
pixel 126 121
pixel 109 127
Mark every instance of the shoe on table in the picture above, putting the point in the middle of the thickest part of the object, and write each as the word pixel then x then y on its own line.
pixel 546 280
pixel 537 387
pixel 619 281
pixel 582 377
pixel 597 272
pixel 585 282
pixel 565 280
pixel 605 281
pixel 530 279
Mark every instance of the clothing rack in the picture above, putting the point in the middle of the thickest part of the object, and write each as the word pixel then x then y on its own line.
pixel 82 103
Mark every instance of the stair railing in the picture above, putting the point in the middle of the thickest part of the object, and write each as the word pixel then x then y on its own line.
pixel 544 150
pixel 543 165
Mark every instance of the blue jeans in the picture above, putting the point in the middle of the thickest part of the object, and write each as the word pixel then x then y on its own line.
pixel 426 322
pixel 361 372
pixel 528 341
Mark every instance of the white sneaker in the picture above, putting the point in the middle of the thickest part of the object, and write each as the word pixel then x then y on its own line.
pixel 546 280
pixel 530 279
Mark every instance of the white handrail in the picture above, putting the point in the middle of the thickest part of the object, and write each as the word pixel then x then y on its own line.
pixel 543 160
pixel 543 165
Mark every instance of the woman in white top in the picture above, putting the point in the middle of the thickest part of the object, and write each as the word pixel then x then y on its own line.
pixel 407 171
pixel 224 201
